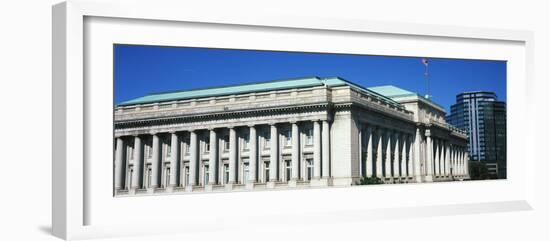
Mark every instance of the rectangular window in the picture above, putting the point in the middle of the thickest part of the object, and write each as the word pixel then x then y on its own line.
pixel 186 175
pixel 226 173
pixel 168 148
pixel 129 177
pixel 309 136
pixel 266 171
pixel 246 173
pixel 226 142
pixel 206 175
pixel 207 144
pixel 309 169
pixel 267 137
pixel 148 176
pixel 288 170
pixel 167 176
pixel 246 142
pixel 149 150
pixel 288 137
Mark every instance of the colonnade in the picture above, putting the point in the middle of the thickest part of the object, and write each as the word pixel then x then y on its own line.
pixel 387 154
pixel 170 168
pixel 405 156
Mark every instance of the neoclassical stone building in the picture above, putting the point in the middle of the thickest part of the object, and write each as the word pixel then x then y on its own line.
pixel 291 133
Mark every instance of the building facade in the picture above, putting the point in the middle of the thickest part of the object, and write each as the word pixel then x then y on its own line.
pixel 483 117
pixel 292 133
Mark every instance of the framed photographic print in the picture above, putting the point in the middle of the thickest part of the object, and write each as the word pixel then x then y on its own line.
pixel 177 121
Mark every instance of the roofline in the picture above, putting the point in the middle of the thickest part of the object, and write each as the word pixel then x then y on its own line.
pixel 234 85
pixel 214 87
pixel 423 99
pixel 365 89
pixel 322 80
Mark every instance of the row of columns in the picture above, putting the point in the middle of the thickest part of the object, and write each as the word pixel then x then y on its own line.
pixel 393 155
pixel 388 154
pixel 449 160
pixel 321 156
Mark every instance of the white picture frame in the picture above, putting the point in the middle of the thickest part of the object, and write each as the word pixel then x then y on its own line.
pixel 73 194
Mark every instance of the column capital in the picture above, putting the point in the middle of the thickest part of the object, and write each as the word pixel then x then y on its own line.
pixel 427 132
pixel 251 125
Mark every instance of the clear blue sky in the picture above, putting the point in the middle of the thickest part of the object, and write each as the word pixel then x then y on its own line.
pixel 140 70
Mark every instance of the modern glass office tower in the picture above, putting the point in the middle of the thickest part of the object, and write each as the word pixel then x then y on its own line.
pixel 483 117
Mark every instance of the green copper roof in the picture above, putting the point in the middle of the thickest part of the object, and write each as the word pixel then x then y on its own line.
pixel 391 91
pixel 248 88
pixel 396 92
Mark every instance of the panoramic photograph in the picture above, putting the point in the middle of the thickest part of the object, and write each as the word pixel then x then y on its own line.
pixel 199 120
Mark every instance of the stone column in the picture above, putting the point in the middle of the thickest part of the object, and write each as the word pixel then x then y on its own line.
pixel 232 155
pixel 460 161
pixel 462 171
pixel 119 169
pixel 447 160
pixel 174 154
pixel 388 163
pixel 453 161
pixel 274 153
pixel 316 150
pixel 369 152
pixel 403 157
pixel 457 162
pixel 295 151
pixel 396 156
pixel 326 148
pixel 437 159
pixel 379 154
pixel 193 159
pixel 253 160
pixel 416 161
pixel 213 158
pixel 410 170
pixel 429 157
pixel 467 164
pixel 138 164
pixel 155 167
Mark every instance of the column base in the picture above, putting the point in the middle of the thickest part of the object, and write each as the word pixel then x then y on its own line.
pixel 270 185
pixel 292 183
pixel 342 181
pixel 323 182
pixel 250 185
pixel 189 188
pixel 170 188
pixel 428 178
pixel 228 187
pixel 208 187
